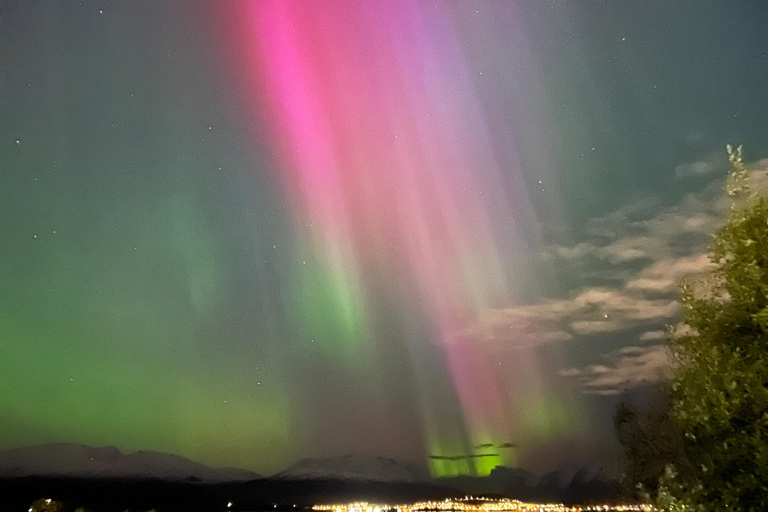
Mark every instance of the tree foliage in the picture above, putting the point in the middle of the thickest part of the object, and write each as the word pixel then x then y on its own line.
pixel 720 387
pixel 651 440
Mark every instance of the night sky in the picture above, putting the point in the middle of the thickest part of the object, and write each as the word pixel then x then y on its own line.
pixel 248 233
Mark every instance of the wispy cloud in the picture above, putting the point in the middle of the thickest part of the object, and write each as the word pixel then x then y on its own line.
pixel 656 335
pixel 664 276
pixel 594 310
pixel 709 165
pixel 522 326
pixel 624 369
pixel 624 275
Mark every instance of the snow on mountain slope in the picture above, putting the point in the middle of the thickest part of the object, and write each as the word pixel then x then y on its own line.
pixel 350 467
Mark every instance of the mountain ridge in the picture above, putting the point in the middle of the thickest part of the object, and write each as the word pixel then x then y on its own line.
pixel 68 460
pixel 354 467
pixel 83 461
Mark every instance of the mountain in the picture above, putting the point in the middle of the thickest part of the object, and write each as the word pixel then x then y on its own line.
pixel 106 479
pixel 75 471
pixel 501 481
pixel 583 485
pixel 354 467
pixel 74 460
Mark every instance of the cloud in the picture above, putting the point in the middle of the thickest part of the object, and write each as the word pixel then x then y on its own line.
pixel 622 275
pixel 593 311
pixel 664 276
pixel 759 176
pixel 572 253
pixel 570 372
pixel 596 326
pixel 629 267
pixel 652 335
pixel 710 164
pixel 623 220
pixel 624 251
pixel 521 326
pixel 627 368
pixel 601 310
pixel 618 305
pixel 619 246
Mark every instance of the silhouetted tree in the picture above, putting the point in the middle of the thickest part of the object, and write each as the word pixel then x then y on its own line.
pixel 651 441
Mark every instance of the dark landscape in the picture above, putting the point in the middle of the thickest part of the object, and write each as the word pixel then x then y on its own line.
pixel 263 494
pixel 279 494
pixel 189 486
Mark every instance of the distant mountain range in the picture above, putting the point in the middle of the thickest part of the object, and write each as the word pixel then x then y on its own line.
pixel 370 469
pixel 324 478
pixel 81 461
pixel 75 460
pixel 588 484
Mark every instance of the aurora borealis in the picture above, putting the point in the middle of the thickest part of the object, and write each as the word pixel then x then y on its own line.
pixel 251 232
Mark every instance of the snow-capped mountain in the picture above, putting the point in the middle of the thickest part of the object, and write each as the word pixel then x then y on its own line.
pixel 353 467
pixel 74 460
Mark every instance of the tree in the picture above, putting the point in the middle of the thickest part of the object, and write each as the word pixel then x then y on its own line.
pixel 651 440
pixel 720 386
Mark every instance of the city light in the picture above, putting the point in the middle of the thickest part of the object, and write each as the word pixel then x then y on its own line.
pixel 475 504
